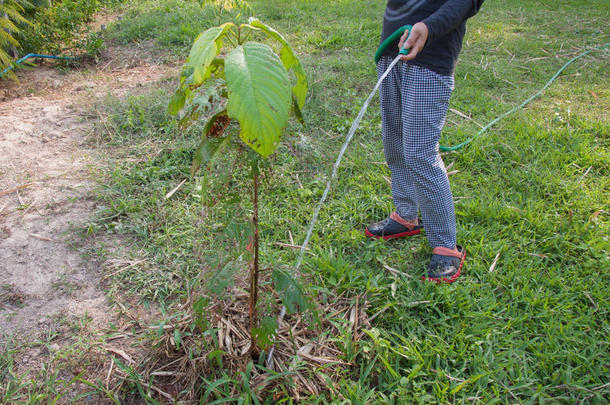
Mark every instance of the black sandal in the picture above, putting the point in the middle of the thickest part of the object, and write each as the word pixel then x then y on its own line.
pixel 393 227
pixel 445 266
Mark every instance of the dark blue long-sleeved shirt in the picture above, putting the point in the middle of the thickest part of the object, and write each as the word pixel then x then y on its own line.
pixel 446 22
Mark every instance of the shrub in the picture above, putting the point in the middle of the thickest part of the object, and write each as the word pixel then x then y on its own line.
pixel 53 26
pixel 42 26
pixel 11 15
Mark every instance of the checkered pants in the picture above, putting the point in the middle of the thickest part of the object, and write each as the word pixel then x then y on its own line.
pixel 414 103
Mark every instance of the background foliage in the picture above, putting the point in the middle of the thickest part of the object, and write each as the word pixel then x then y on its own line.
pixel 45 26
pixel 11 15
pixel 54 24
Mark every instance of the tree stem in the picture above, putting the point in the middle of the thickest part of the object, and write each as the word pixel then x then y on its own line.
pixel 254 266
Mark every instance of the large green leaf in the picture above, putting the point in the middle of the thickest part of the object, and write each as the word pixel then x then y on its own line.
pixel 289 59
pixel 259 95
pixel 205 48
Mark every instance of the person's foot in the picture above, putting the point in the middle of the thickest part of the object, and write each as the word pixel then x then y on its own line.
pixel 445 265
pixel 393 227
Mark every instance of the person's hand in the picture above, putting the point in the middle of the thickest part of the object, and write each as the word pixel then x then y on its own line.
pixel 415 43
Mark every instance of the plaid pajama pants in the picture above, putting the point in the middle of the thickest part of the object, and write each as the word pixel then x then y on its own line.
pixel 414 103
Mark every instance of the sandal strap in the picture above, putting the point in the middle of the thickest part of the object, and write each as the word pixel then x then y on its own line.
pixel 409 224
pixel 443 251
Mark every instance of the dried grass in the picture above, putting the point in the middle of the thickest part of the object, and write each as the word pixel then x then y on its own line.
pixel 306 355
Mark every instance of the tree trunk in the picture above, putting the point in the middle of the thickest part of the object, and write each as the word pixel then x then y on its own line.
pixel 254 265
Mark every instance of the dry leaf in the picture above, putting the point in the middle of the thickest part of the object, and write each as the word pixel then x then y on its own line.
pixel 538 255
pixel 121 353
pixel 246 348
pixel 304 350
pixel 228 342
pixel 352 315
pixel 493 265
pixel 171 193
pixel 34 235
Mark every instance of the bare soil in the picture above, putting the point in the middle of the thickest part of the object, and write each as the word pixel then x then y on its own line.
pixel 46 167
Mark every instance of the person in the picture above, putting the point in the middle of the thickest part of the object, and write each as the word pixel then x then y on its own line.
pixel 414 101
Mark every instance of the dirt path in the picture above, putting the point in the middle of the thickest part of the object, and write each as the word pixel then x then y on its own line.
pixel 45 190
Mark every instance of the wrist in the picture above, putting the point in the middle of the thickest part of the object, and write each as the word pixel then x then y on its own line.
pixel 430 27
pixel 427 30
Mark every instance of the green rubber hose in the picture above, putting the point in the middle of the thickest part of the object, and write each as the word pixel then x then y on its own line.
pixel 395 35
pixel 398 33
pixel 523 104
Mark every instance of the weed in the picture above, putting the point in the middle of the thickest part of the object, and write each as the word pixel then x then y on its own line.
pixel 11 296
pixel 63 285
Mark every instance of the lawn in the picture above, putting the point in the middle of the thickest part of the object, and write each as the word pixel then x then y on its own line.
pixel 526 323
pixel 528 320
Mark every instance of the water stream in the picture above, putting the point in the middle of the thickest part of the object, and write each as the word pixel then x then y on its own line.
pixel 348 139
pixel 316 212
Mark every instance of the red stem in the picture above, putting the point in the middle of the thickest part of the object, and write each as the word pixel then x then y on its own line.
pixel 254 266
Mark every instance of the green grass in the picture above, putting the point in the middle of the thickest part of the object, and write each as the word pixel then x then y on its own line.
pixel 171 23
pixel 56 378
pixel 534 189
